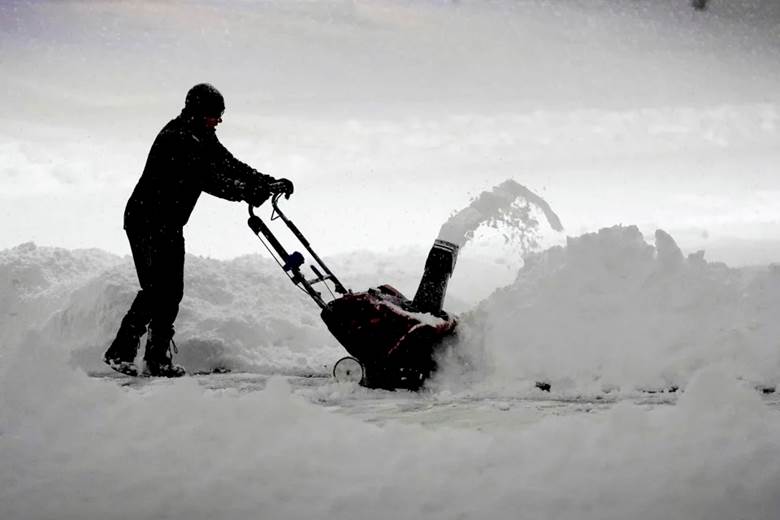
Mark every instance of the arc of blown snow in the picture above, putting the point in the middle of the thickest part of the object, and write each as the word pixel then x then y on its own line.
pixel 489 204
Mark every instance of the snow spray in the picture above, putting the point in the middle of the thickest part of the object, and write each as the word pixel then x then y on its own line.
pixel 499 206
pixel 494 206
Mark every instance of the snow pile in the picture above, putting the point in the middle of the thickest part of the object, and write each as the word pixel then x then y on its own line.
pixel 606 309
pixel 35 282
pixel 241 314
pixel 609 310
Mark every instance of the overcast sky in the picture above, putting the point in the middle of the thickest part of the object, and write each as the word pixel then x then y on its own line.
pixel 389 116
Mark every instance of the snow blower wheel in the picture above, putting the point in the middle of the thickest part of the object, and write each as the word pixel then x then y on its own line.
pixel 348 370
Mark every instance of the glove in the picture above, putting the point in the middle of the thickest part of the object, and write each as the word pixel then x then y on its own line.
pixel 257 193
pixel 282 187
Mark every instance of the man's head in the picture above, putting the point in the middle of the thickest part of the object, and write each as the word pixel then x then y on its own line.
pixel 204 101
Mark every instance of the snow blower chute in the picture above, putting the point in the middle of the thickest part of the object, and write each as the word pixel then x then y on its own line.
pixel 391 339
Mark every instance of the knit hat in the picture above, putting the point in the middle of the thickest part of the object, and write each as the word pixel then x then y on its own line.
pixel 204 100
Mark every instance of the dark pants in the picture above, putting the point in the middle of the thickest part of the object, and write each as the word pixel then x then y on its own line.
pixel 159 263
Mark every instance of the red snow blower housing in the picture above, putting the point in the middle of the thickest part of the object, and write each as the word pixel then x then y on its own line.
pixel 391 339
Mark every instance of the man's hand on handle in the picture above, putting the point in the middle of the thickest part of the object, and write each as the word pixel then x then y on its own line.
pixel 261 190
pixel 282 186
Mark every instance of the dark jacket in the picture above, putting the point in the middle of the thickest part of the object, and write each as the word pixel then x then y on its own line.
pixel 186 159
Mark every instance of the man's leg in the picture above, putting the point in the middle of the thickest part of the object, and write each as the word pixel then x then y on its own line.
pixel 166 288
pixel 121 354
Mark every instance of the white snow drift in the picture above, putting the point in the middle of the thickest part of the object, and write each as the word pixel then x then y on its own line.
pixel 607 309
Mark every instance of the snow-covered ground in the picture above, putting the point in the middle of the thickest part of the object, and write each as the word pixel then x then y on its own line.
pixel 391 116
pixel 603 319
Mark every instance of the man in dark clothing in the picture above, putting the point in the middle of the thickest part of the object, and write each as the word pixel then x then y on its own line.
pixel 186 158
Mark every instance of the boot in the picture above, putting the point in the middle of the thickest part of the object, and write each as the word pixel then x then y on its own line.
pixel 120 356
pixel 158 357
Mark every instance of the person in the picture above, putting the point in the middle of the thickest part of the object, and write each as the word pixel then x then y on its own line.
pixel 185 159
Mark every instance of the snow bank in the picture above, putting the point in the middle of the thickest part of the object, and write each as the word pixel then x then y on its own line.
pixel 35 282
pixel 610 310
pixel 605 311
pixel 240 314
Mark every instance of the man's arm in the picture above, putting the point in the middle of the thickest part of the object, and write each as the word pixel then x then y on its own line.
pixel 226 177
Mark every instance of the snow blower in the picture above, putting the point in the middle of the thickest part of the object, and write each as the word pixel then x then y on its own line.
pixel 391 339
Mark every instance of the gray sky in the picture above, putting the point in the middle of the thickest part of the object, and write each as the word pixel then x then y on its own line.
pixel 389 116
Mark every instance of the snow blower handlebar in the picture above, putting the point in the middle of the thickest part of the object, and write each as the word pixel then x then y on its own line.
pixel 291 263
